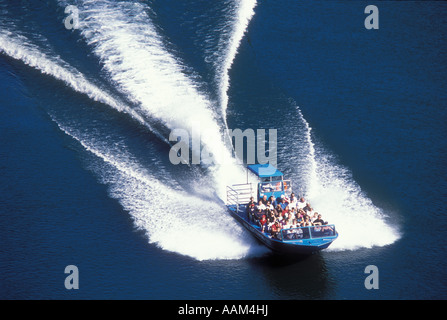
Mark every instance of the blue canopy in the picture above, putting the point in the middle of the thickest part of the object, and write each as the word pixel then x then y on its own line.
pixel 264 170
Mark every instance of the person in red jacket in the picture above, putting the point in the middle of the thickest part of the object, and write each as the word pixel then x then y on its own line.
pixel 263 222
pixel 275 229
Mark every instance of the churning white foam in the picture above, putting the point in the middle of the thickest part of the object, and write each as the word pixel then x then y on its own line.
pixel 332 191
pixel 229 44
pixel 171 218
pixel 136 58
pixel 21 48
pixel 198 228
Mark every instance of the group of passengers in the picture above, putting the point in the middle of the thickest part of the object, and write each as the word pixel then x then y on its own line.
pixel 274 215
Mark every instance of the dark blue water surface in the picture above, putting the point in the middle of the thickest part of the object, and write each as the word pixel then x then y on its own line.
pixel 375 100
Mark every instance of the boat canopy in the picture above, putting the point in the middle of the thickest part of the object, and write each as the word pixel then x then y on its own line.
pixel 264 170
pixel 271 181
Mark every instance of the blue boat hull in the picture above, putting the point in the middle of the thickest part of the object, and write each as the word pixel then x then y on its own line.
pixel 295 247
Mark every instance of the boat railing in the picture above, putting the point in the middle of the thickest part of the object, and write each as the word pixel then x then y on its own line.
pixel 238 194
pixel 310 232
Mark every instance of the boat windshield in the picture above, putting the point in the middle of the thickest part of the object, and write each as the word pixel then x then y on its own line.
pixel 311 232
pixel 322 231
pixel 295 233
pixel 274 186
pixel 270 186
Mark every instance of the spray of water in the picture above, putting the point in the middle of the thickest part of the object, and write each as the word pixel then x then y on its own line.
pixel 133 54
pixel 21 48
pixel 189 229
pixel 229 44
pixel 172 219
pixel 332 191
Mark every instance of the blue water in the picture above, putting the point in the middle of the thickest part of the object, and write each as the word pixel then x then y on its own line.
pixel 85 173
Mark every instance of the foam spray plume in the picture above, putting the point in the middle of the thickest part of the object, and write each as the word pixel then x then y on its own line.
pixel 332 191
pixel 133 54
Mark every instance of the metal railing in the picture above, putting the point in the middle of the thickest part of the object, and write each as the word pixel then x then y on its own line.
pixel 238 194
pixel 310 232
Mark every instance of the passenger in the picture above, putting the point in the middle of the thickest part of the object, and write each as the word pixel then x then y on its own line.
pixel 251 211
pixel 261 206
pixel 301 204
pixel 290 234
pixel 258 215
pixel 272 200
pixel 275 202
pixel 305 216
pixel 299 219
pixel 290 222
pixel 292 213
pixel 307 222
pixel 319 221
pixel 264 199
pixel 263 223
pixel 278 210
pixel 294 224
pixel 286 210
pixel 251 202
pixel 299 233
pixel 275 230
pixel 269 206
pixel 314 217
pixel 293 232
pixel 284 223
pixel 283 203
pixel 293 201
pixel 271 218
pixel 308 209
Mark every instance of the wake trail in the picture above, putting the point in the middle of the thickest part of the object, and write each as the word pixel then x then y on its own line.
pixel 229 45
pixel 332 191
pixel 20 48
pixel 188 230
pixel 171 218
pixel 134 55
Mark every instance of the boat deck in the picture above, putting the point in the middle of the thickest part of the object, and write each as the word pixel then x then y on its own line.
pixel 303 240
